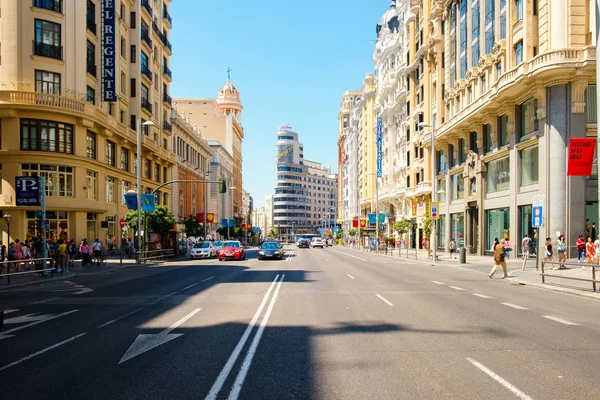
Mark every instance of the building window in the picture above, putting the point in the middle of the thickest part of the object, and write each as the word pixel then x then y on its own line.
pixel 47 82
pixel 52 5
pixel 110 153
pixel 590 104
pixel 528 114
pixel 458 186
pixel 457 228
pixel 441 232
pixel 146 98
pixel 124 159
pixel 463 38
pixel 91 95
pixel 135 163
pixel 497 224
pixel 503 19
pixel 502 130
pixel 519 9
pixel 156 172
pixel 498 175
pixel 144 65
pixel 91 185
pixel 110 190
pixel 483 83
pixel 462 155
pixel 519 52
pixel 498 69
pixel 487 136
pixel 91 145
pixel 39 135
pixel 91 16
pixel 133 54
pixel 489 25
pixel 441 185
pixel 529 165
pixel 47 42
pixel 59 178
pixel 475 33
pixel 91 58
pixel 147 169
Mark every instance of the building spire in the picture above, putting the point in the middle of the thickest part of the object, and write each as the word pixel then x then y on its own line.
pixel 229 73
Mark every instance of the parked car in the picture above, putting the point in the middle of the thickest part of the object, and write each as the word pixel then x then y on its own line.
pixel 303 244
pixel 270 250
pixel 203 250
pixel 317 242
pixel 232 250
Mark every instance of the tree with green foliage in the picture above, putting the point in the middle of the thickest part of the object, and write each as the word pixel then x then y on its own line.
pixel 193 227
pixel 222 232
pixel 159 221
pixel 427 226
pixel 402 226
pixel 352 232
pixel 274 233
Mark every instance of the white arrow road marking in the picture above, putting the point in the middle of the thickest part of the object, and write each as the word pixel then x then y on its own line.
pixel 220 381
pixel 10 311
pixel 500 380
pixel 5 335
pixel 146 342
pixel 42 351
pixel 239 380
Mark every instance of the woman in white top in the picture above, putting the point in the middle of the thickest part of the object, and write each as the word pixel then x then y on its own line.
pixel 561 248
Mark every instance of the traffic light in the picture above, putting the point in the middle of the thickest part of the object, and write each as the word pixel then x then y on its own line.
pixel 222 186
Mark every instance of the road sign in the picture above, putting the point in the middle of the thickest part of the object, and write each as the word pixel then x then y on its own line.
pixel 537 220
pixel 122 222
pixel 434 210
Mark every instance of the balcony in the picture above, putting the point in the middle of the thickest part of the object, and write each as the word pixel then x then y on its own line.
pixel 167 72
pixel 147 105
pixel 52 5
pixel 91 23
pixel 146 71
pixel 146 38
pixel 161 36
pixel 47 50
pixel 167 16
pixel 167 126
pixel 91 68
pixel 167 99
pixel 146 5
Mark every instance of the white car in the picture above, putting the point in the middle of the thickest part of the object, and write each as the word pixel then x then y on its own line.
pixel 317 242
pixel 203 250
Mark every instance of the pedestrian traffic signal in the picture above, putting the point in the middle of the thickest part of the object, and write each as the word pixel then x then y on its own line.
pixel 222 186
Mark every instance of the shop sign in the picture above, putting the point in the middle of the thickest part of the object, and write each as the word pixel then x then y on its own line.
pixel 27 191
pixel 109 47
pixel 581 156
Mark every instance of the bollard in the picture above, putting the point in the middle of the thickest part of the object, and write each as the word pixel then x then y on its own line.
pixel 462 255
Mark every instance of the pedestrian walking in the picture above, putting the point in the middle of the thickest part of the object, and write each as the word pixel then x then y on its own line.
pixel 61 256
pixel 596 250
pixel 97 248
pixel 452 247
pixel 85 250
pixel 580 248
pixel 548 252
pixel 3 264
pixel 561 248
pixel 499 259
pixel 590 252
pixel 71 254
pixel 525 247
pixel 507 248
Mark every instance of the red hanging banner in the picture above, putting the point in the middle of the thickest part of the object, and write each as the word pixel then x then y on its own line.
pixel 200 217
pixel 355 223
pixel 581 156
pixel 363 223
pixel 210 218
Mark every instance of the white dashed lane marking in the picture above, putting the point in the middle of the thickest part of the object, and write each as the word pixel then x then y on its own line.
pixel 515 306
pixel 562 321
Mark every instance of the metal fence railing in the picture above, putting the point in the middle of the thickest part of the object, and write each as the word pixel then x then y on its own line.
pixel 32 266
pixel 156 256
pixel 593 269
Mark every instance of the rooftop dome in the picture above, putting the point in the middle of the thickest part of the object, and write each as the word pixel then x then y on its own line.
pixel 229 92
pixel 389 19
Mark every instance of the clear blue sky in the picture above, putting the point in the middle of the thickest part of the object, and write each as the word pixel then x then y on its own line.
pixel 291 62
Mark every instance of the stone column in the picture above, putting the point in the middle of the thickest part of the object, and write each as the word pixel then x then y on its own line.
pixel 557 137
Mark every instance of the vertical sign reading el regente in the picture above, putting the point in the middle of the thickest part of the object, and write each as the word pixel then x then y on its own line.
pixel 109 92
pixel 379 145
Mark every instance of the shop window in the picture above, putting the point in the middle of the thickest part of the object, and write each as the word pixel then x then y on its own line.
pixel 498 175
pixel 458 186
pixel 111 196
pixel 457 229
pixel 59 178
pixel 92 185
pixel 497 226
pixel 502 130
pixel 529 165
pixel 528 116
pixel 91 145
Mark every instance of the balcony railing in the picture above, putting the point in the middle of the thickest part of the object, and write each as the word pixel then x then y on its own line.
pixel 47 50
pixel 167 99
pixel 167 71
pixel 167 16
pixel 167 126
pixel 147 6
pixel 146 104
pixel 146 38
pixel 53 5
pixel 146 71
pixel 92 68
pixel 161 36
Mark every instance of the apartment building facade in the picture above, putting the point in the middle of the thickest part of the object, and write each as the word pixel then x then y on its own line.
pixel 76 80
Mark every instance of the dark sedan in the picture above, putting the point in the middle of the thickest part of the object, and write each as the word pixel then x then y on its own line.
pixel 270 250
pixel 303 243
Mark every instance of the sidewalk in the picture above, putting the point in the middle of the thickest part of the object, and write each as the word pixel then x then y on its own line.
pixel 530 276
pixel 112 264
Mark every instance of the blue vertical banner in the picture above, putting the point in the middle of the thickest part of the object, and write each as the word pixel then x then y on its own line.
pixel 109 47
pixel 379 145
pixel 148 202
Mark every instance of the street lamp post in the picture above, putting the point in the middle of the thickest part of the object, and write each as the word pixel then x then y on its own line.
pixel 229 222
pixel 138 126
pixel 206 176
pixel 376 208
pixel 433 185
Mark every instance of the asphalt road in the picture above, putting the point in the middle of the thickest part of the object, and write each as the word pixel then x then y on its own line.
pixel 321 324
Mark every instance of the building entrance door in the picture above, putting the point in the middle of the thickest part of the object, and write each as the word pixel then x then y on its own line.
pixel 473 239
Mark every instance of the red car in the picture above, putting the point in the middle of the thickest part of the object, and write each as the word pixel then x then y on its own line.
pixel 232 250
